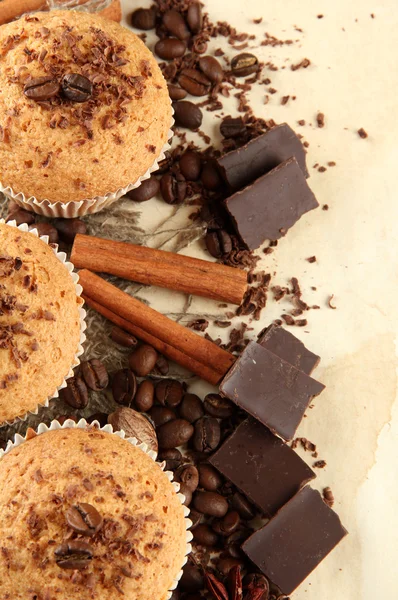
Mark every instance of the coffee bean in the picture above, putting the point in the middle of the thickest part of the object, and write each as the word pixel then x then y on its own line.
pixel 143 360
pixel 75 394
pixel 123 337
pixel 175 433
pixel 21 216
pixel 218 242
pixel 204 535
pixel 187 114
pixel 243 506
pixel 147 190
pixel 229 524
pixel 209 479
pixel 210 177
pixel 194 82
pixel 175 595
pixel 144 18
pixel 48 230
pixel 61 420
pixel 195 17
pixel 184 489
pixel 244 64
pixel 175 24
pixel 135 425
pixel 77 88
pixel 192 578
pixel 173 188
pixel 191 408
pixel 232 128
pixel 190 165
pixel 161 415
pixel 210 503
pixel 94 374
pixel 176 92
pixel 224 565
pixel 211 68
pixel 143 400
pixel 162 365
pixel 74 554
pixel 173 458
pixel 170 48
pixel 189 475
pixel 84 519
pixel 124 387
pixel 207 434
pixel 101 417
pixel 69 228
pixel 196 518
pixel 218 407
pixel 169 392
pixel 41 88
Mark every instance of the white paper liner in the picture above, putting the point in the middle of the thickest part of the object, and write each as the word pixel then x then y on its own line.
pixel 82 313
pixel 79 208
pixel 82 424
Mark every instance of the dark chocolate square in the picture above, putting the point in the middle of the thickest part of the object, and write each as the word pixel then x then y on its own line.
pixel 285 345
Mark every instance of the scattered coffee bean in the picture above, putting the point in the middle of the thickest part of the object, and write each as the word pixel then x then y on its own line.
pixel 176 92
pixel 229 524
pixel 224 566
pixel 209 479
pixel 147 190
pixel 144 18
pixel 124 387
pixel 48 230
pixel 162 365
pixel 189 475
pixel 218 242
pixel 41 88
pixel 169 392
pixel 101 417
pixel 191 408
pixel 244 64
pixel 75 393
pixel 84 519
pixel 144 397
pixel 207 434
pixel 74 554
pixel 210 177
pixel 136 425
pixel 218 407
pixel 61 420
pixel 123 337
pixel 211 68
pixel 192 578
pixel 21 216
pixel 196 518
pixel 173 188
pixel 184 489
pixel 211 504
pixel 187 114
pixel 173 458
pixel 243 506
pixel 175 24
pixel 170 48
pixel 143 360
pixel 194 82
pixel 204 535
pixel 195 17
pixel 190 165
pixel 69 228
pixel 77 88
pixel 161 415
pixel 174 433
pixel 94 374
pixel 232 128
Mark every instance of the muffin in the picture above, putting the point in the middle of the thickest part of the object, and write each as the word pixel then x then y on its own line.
pixel 85 514
pixel 40 322
pixel 84 111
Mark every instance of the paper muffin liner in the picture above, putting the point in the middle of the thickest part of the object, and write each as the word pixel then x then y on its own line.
pixel 82 314
pixel 79 208
pixel 82 424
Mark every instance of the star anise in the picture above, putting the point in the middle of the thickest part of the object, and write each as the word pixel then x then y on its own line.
pixel 256 589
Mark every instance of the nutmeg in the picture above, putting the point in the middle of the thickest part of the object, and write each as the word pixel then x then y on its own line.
pixel 134 424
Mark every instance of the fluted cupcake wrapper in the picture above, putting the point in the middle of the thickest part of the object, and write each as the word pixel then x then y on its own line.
pixel 82 313
pixel 82 424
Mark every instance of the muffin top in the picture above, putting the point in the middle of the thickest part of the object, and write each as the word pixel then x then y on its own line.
pixel 39 322
pixel 67 139
pixel 84 514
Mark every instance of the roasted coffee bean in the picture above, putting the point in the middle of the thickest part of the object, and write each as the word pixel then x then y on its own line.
pixel 162 365
pixel 169 392
pixel 191 408
pixel 189 475
pixel 143 18
pixel 42 88
pixel 218 242
pixel 124 387
pixel 101 417
pixel 144 397
pixel 184 489
pixel 224 565
pixel 209 479
pixel 175 24
pixel 176 92
pixel 187 114
pixel 244 64
pixel 210 177
pixel 48 230
pixel 61 420
pixel 192 578
pixel 195 82
pixel 190 165
pixel 196 518
pixel 94 374
pixel 69 228
pixel 75 393
pixel 211 68
pixel 161 415
pixel 84 519
pixel 195 17
pixel 207 434
pixel 77 88
pixel 218 407
pixel 21 216
pixel 173 188
pixel 74 554
pixel 232 128
pixel 210 503
pixel 143 360
pixel 174 433
pixel 205 536
pixel 228 524
pixel 243 506
pixel 173 458
pixel 136 425
pixel 147 190
pixel 123 337
pixel 170 48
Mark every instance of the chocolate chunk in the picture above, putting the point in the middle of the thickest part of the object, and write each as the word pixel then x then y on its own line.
pixel 287 346
pixel 262 466
pixel 296 540
pixel 270 389
pixel 242 166
pixel 266 209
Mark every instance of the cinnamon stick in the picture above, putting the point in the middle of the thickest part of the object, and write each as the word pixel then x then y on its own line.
pixel 157 267
pixel 187 342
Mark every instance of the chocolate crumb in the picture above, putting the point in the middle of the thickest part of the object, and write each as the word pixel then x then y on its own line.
pixel 301 122
pixel 311 259
pixel 301 65
pixel 330 302
pixel 328 496
pixel 198 324
pixel 320 119
pixel 325 207
pixel 301 322
pixel 288 319
pixel 319 464
pixel 285 100
pixel 362 133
